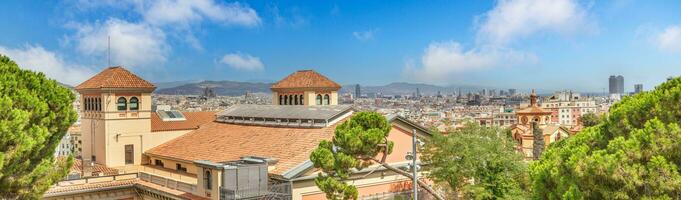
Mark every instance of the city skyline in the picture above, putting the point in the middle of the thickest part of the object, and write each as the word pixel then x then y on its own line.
pixel 572 47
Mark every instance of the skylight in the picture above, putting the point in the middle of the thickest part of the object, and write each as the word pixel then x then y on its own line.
pixel 171 115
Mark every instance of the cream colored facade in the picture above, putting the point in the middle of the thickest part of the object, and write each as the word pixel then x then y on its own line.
pixel 303 188
pixel 107 131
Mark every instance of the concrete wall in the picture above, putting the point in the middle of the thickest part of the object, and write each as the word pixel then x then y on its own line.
pixel 214 192
pixel 172 164
pixel 127 193
pixel 310 98
pixel 376 183
pixel 141 142
pixel 113 129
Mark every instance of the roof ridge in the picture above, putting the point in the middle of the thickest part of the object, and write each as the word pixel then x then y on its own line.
pixel 305 79
pixel 115 77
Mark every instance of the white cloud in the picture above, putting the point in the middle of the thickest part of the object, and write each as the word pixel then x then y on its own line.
pixel 669 39
pixel 441 59
pixel 38 59
pixel 364 35
pixel 507 22
pixel 177 19
pixel 184 13
pixel 241 61
pixel 288 18
pixel 512 19
pixel 132 44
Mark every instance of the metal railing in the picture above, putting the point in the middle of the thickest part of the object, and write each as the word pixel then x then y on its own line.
pixel 98 179
pixel 402 195
pixel 167 182
pixel 280 191
pixel 164 172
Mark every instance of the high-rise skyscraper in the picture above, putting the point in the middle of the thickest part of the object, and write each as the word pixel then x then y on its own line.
pixel 511 92
pixel 638 88
pixel 358 92
pixel 612 82
pixel 620 84
pixel 616 84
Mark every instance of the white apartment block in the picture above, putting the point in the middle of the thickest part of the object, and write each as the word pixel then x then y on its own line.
pixel 568 107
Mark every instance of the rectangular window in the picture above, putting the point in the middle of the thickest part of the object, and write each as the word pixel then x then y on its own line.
pixel 129 154
pixel 179 167
pixel 158 162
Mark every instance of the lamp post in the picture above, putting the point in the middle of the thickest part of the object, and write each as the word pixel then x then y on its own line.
pixel 413 163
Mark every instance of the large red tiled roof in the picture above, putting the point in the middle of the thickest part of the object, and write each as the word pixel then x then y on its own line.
pixel 218 142
pixel 305 79
pixel 97 168
pixel 55 189
pixel 533 110
pixel 115 77
pixel 193 121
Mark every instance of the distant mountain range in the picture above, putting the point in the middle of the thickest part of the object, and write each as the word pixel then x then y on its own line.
pixel 236 88
pixel 223 88
pixel 403 88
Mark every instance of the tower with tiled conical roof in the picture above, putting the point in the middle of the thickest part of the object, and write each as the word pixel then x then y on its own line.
pixel 305 87
pixel 114 103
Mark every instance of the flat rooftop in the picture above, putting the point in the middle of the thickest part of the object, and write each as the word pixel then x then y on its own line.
pixel 283 115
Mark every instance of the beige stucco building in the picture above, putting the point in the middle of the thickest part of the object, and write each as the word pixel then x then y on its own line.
pixel 534 114
pixel 246 151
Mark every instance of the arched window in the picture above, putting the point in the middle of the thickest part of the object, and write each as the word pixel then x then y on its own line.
pixel 86 104
pixel 327 100
pixel 319 99
pixel 94 103
pixel 207 179
pixel 301 100
pixel 296 100
pixel 285 99
pixel 281 101
pixel 122 103
pixel 99 104
pixel 290 100
pixel 134 103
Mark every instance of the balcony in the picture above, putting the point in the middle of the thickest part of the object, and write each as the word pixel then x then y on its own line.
pixel 278 191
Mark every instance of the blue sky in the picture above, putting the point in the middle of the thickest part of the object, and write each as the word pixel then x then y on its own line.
pixel 557 44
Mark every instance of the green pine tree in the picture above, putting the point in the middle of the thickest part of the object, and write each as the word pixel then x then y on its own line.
pixel 35 113
pixel 634 153
pixel 356 144
pixel 476 163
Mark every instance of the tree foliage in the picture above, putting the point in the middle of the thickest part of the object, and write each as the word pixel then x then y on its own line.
pixel 35 113
pixel 355 144
pixel 590 119
pixel 478 162
pixel 634 153
pixel 538 142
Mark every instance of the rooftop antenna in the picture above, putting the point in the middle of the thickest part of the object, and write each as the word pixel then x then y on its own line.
pixel 108 50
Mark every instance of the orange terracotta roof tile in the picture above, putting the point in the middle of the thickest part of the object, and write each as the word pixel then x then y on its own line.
pixel 115 77
pixel 78 166
pixel 218 142
pixel 305 79
pixel 55 189
pixel 533 110
pixel 193 121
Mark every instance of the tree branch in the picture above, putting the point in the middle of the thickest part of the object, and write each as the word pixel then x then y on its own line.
pixel 422 184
